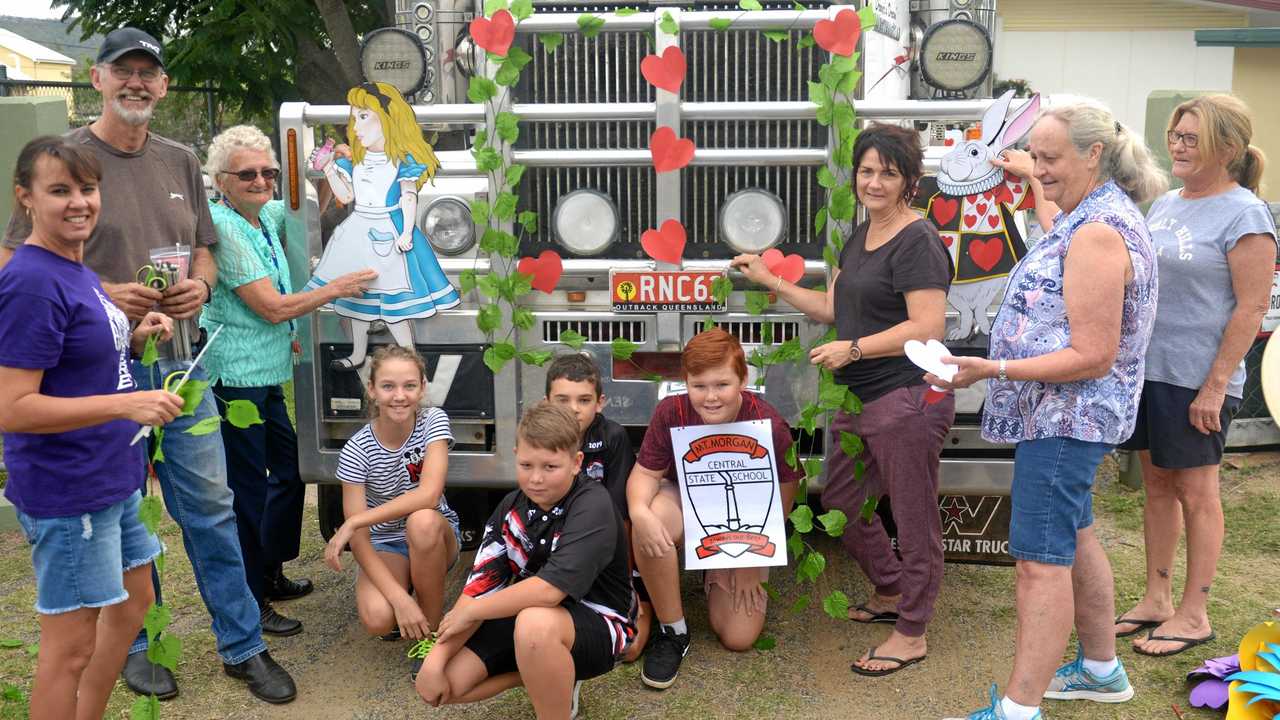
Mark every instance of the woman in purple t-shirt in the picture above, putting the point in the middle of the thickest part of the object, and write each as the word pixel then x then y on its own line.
pixel 68 409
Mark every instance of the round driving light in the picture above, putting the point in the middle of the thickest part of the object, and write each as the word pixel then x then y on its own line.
pixel 585 222
pixel 955 55
pixel 394 56
pixel 752 221
pixel 447 225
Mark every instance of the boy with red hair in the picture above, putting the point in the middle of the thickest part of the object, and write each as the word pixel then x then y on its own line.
pixel 715 373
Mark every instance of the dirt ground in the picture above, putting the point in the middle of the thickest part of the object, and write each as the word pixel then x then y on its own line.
pixel 341 673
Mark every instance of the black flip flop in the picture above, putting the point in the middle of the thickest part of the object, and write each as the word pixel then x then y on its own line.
pixel 1187 643
pixel 871 655
pixel 1141 625
pixel 888 617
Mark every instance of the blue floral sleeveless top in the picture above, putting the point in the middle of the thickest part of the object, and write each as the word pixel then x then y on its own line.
pixel 1032 321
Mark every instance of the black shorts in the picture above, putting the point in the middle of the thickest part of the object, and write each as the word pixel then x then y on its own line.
pixel 494 643
pixel 1164 428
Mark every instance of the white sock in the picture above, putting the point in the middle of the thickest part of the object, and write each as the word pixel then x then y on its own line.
pixel 1014 711
pixel 1101 668
pixel 678 627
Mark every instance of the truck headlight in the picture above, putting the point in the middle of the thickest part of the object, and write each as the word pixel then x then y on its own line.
pixel 447 225
pixel 585 222
pixel 752 221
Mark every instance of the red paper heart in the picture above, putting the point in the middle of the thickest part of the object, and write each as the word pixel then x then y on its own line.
pixel 993 221
pixel 970 220
pixel 787 267
pixel 494 34
pixel 839 36
pixel 932 396
pixel 944 210
pixel 545 269
pixel 665 244
pixel 665 72
pixel 982 208
pixel 669 151
pixel 986 253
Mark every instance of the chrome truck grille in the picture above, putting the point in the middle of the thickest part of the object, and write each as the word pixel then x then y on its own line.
pixel 723 66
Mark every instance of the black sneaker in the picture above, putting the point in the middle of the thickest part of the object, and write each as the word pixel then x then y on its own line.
pixel 662 658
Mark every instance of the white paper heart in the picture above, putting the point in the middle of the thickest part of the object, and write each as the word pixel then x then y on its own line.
pixel 928 357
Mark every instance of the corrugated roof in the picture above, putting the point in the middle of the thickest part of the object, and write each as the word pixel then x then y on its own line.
pixel 56 35
pixel 33 50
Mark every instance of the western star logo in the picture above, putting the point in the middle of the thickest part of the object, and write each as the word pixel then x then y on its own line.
pixel 945 56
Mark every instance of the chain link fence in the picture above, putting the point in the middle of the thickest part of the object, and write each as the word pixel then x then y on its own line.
pixel 188 115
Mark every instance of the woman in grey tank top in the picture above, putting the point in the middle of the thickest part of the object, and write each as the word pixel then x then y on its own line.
pixel 1216 248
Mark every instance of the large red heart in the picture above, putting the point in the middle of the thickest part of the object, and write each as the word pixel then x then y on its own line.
pixel 666 244
pixel 545 269
pixel 944 210
pixel 494 34
pixel 787 267
pixel 669 151
pixel 665 72
pixel 839 36
pixel 986 253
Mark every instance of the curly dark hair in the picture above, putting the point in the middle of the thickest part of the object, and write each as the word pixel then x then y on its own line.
pixel 897 146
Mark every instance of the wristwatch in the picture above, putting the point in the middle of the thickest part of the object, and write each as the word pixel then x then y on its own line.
pixel 855 352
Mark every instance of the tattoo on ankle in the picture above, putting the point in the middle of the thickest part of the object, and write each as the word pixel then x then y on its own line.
pixel 1163 572
pixel 1204 589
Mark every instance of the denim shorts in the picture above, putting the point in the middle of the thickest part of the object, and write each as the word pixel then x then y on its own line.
pixel 1052 497
pixel 400 546
pixel 80 560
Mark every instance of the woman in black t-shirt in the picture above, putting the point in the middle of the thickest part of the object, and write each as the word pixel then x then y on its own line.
pixel 891 287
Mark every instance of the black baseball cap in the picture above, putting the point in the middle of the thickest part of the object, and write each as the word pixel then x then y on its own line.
pixel 126 40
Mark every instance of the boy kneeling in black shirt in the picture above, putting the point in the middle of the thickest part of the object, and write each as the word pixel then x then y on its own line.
pixel 548 602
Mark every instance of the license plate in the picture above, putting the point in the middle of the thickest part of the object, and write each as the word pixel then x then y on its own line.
pixel 664 291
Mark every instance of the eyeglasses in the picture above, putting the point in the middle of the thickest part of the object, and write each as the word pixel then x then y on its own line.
pixel 123 72
pixel 268 174
pixel 1190 140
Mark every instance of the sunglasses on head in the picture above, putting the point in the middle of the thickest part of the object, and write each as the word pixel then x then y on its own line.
pixel 268 174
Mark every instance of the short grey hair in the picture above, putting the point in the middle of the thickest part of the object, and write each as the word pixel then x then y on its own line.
pixel 232 140
pixel 1125 158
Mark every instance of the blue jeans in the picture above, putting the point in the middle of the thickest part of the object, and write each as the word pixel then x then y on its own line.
pixel 193 480
pixel 1052 497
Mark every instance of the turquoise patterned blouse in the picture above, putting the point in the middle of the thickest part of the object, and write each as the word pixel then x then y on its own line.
pixel 1032 321
pixel 250 352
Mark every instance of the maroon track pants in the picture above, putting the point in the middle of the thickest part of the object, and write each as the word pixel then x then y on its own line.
pixel 903 438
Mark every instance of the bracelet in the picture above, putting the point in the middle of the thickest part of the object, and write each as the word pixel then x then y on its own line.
pixel 777 288
pixel 207 288
pixel 1001 375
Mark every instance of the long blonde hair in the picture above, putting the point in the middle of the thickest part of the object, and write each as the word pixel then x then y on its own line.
pixel 1226 126
pixel 399 127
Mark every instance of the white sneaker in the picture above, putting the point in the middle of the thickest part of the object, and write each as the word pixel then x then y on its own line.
pixel 573 706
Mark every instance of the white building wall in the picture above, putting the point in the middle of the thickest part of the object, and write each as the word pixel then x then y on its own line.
pixel 1119 68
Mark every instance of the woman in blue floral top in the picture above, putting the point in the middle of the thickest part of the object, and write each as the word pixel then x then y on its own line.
pixel 1065 373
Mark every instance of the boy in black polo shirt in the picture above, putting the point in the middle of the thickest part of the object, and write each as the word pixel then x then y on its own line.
pixel 573 382
pixel 548 602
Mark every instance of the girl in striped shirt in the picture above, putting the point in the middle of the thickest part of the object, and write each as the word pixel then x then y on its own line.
pixel 403 534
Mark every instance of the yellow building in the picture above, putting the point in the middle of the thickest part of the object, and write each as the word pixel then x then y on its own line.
pixel 26 60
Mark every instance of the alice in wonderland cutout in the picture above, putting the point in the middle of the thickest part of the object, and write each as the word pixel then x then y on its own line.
pixel 729 492
pixel 972 203
pixel 390 161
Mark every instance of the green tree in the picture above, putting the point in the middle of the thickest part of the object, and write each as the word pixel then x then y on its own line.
pixel 258 53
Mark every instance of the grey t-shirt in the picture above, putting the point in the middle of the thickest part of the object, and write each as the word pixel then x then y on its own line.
pixel 1192 239
pixel 150 198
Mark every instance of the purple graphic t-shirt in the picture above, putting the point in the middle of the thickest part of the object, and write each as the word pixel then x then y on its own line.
pixel 55 317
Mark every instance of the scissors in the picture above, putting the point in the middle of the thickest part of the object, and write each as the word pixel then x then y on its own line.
pixel 153 277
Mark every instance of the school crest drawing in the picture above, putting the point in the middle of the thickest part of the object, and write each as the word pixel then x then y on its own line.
pixel 729 492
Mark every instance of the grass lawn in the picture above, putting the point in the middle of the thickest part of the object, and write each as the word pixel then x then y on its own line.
pixel 341 673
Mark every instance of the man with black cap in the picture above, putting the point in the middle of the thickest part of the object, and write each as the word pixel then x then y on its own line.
pixel 153 195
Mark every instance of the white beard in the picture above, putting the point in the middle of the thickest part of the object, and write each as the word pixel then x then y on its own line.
pixel 135 118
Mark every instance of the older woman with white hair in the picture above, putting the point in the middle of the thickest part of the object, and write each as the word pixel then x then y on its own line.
pixel 1065 374
pixel 255 306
